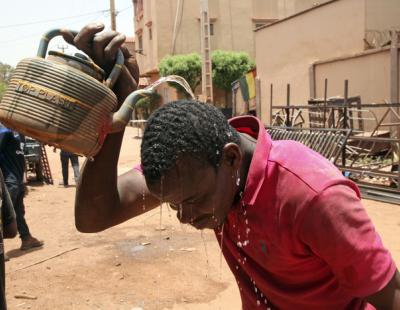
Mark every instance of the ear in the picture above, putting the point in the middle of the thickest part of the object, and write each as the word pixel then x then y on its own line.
pixel 232 155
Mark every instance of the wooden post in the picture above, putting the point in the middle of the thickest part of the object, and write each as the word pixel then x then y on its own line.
pixel 113 15
pixel 271 97
pixel 258 97
pixel 287 104
pixel 346 96
pixel 394 98
pixel 325 98
pixel 311 77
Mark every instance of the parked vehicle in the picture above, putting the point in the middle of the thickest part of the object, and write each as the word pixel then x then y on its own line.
pixel 33 154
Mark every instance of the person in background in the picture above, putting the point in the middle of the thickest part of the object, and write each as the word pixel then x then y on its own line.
pixel 65 157
pixel 8 229
pixel 12 165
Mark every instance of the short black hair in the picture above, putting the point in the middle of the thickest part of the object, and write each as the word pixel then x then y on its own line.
pixel 184 127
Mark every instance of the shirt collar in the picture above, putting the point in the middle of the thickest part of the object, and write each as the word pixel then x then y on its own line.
pixel 258 166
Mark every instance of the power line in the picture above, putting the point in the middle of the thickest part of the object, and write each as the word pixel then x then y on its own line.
pixel 51 20
pixel 28 36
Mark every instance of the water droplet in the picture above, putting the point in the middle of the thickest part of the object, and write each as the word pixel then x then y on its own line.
pixel 239 244
pixel 237 267
pixel 180 210
pixel 247 222
pixel 255 289
pixel 258 303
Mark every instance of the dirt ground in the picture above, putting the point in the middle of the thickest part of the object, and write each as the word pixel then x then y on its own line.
pixel 133 266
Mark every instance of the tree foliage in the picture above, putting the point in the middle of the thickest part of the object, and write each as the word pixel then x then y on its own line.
pixel 187 66
pixel 229 66
pixel 5 75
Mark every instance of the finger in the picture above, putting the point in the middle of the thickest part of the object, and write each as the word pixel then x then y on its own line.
pixel 68 36
pixel 125 85
pixel 113 46
pixel 130 63
pixel 100 42
pixel 84 39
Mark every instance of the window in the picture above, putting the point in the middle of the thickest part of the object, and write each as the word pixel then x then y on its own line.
pixel 140 43
pixel 138 9
pixel 259 25
pixel 211 29
pixel 260 22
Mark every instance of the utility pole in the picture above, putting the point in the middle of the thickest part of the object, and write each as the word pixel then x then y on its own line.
pixel 113 15
pixel 62 47
pixel 206 69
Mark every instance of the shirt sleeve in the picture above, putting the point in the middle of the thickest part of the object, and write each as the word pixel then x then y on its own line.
pixel 337 229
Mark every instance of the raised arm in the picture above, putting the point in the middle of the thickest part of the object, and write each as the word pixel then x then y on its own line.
pixel 102 198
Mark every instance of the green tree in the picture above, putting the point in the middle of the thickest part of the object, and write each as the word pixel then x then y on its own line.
pixel 229 66
pixel 5 75
pixel 187 66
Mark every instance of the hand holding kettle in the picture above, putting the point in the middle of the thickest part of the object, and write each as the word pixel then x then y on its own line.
pixel 102 47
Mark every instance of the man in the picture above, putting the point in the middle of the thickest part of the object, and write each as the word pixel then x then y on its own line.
pixel 291 228
pixel 65 157
pixel 12 164
pixel 8 229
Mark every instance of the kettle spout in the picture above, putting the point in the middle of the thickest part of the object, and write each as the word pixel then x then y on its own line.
pixel 121 118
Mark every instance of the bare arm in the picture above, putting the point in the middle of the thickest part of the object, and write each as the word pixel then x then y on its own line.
pixel 103 199
pixel 389 296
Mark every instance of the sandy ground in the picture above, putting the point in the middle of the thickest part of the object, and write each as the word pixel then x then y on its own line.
pixel 135 265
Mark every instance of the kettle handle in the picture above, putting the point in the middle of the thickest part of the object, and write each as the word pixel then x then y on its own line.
pixel 115 72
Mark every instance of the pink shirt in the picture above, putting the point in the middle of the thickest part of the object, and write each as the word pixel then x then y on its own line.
pixel 300 237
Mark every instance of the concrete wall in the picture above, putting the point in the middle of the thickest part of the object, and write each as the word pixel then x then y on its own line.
pixel 368 75
pixel 286 49
pixel 233 20
pixel 382 15
pixel 147 57
pixel 282 8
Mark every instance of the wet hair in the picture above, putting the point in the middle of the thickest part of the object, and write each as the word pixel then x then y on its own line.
pixel 184 127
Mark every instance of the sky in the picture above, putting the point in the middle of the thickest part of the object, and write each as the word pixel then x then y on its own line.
pixel 23 22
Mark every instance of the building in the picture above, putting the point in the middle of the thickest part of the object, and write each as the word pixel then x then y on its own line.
pixel 338 40
pixel 172 27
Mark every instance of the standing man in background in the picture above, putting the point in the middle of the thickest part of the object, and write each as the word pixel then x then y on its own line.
pixel 65 158
pixel 12 165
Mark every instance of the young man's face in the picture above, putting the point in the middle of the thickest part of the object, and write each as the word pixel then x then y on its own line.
pixel 201 194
